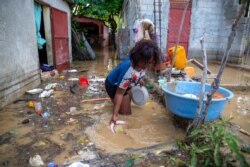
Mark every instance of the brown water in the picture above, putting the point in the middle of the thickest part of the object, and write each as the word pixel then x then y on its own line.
pixel 231 75
pixel 148 125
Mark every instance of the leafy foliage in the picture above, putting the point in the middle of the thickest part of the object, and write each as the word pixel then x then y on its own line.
pixel 105 10
pixel 213 144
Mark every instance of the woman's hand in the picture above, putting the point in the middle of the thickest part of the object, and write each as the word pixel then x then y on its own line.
pixel 113 122
pixel 113 119
pixel 142 83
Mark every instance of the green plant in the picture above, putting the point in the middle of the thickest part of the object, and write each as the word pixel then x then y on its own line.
pixel 213 144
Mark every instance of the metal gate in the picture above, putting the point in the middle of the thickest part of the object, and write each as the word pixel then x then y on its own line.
pixel 175 16
pixel 60 39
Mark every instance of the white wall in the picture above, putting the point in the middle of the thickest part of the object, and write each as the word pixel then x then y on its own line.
pixel 18 49
pixel 214 18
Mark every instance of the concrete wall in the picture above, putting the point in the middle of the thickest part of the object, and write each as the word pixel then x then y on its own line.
pixel 63 6
pixel 19 54
pixel 48 37
pixel 141 9
pixel 214 18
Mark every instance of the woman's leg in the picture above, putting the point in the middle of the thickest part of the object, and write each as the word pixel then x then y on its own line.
pixel 125 108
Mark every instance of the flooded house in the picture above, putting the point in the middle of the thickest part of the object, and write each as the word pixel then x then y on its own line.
pixel 211 18
pixel 96 32
pixel 31 33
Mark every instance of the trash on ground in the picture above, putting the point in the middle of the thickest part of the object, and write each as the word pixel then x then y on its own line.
pixel 45 114
pixel 72 120
pixel 84 81
pixel 97 80
pixel 72 109
pixel 36 161
pixel 38 108
pixel 31 104
pixel 78 164
pixel 46 67
pixel 25 121
pixel 73 79
pixel 50 86
pixel 49 74
pixel 52 164
pixel 34 91
pixel 98 99
pixel 61 76
pixel 46 93
pixel 72 70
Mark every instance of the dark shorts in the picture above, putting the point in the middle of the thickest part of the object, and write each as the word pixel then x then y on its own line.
pixel 111 89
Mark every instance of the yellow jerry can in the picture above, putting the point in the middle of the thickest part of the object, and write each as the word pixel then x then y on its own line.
pixel 180 58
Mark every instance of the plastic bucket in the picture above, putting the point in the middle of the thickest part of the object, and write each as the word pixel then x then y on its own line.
pixel 84 81
pixel 185 106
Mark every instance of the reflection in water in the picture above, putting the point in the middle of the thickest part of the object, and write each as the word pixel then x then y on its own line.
pixel 239 109
pixel 230 76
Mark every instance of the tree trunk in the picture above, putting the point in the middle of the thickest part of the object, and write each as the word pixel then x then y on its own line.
pixel 79 52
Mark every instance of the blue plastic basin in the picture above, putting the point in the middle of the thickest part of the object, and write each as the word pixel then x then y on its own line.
pixel 186 106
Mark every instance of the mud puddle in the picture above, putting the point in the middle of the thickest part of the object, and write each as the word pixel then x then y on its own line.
pixel 148 125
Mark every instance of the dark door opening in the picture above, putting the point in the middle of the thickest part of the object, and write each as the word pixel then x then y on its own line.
pixel 43 51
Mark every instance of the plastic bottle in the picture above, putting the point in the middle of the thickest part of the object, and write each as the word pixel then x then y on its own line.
pixel 52 164
pixel 31 104
pixel 38 108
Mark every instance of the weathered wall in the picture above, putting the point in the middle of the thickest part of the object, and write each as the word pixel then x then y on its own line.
pixel 19 54
pixel 63 6
pixel 48 37
pixel 214 18
pixel 147 11
pixel 141 9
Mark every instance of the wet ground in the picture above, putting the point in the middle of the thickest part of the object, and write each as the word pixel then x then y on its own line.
pixel 74 130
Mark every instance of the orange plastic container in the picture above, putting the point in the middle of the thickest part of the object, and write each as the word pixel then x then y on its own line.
pixel 190 71
pixel 180 58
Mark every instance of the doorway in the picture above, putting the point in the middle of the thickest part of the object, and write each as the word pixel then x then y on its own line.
pixel 175 16
pixel 43 32
pixel 42 52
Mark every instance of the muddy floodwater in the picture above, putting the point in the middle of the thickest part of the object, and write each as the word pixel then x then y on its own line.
pixel 75 130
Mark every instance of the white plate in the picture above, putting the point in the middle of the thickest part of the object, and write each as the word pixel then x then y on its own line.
pixel 139 95
pixel 175 71
pixel 73 79
pixel 34 91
